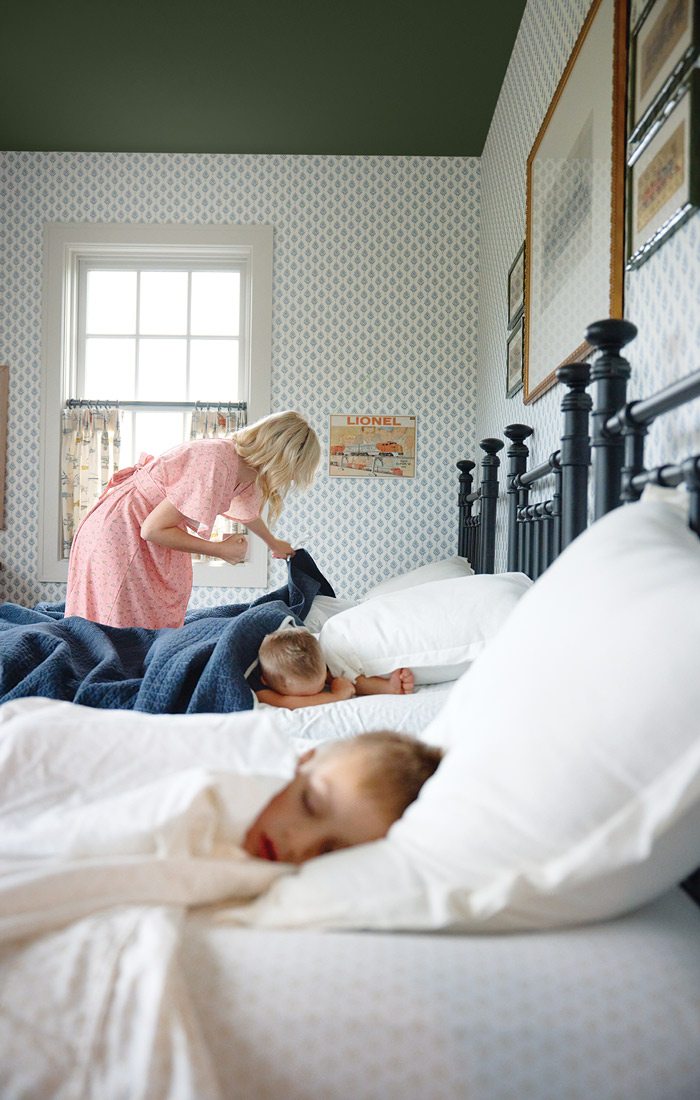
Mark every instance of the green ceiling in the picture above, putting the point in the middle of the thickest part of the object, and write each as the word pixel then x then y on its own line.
pixel 393 77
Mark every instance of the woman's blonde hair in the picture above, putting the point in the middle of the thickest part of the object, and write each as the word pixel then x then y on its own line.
pixel 284 450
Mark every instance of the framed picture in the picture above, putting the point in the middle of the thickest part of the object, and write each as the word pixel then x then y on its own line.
pixel 514 360
pixel 664 46
pixel 516 287
pixel 371 445
pixel 574 244
pixel 664 180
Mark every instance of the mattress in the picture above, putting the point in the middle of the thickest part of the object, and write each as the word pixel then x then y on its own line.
pixel 610 1011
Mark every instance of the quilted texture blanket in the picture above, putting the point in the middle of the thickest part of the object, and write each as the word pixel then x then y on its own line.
pixel 197 668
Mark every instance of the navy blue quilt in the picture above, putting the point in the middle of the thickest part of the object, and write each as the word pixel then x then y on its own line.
pixel 199 667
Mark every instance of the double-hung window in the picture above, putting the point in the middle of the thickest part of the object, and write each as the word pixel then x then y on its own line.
pixel 161 333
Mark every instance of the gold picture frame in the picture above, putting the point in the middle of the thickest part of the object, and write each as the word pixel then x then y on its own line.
pixel 574 243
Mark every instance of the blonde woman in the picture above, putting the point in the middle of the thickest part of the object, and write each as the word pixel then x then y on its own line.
pixel 130 562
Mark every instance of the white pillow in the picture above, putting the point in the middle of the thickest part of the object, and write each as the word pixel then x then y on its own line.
pixel 572 790
pixel 322 609
pixel 434 629
pixel 424 574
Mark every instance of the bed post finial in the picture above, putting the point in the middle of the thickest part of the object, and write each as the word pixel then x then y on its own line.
pixel 575 455
pixel 517 464
pixel 465 467
pixel 489 500
pixel 611 371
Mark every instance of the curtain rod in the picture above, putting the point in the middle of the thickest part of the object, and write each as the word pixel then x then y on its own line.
pixel 83 403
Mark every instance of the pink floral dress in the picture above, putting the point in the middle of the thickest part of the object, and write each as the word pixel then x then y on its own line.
pixel 117 578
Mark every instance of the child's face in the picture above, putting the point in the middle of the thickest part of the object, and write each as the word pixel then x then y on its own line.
pixel 321 810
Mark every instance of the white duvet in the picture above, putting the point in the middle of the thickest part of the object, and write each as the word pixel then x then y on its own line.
pixel 112 826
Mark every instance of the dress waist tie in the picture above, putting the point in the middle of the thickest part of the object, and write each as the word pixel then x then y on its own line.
pixel 121 475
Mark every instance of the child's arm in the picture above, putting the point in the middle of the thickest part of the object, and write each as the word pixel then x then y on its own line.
pixel 280 548
pixel 340 689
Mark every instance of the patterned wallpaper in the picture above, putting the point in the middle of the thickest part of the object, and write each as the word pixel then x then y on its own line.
pixel 374 309
pixel 661 296
pixel 382 267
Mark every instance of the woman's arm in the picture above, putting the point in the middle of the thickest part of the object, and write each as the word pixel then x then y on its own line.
pixel 280 548
pixel 162 526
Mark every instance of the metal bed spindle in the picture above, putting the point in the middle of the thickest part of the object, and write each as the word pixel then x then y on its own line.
pixel 517 464
pixel 632 422
pixel 465 501
pixel 537 532
pixel 477 530
pixel 611 372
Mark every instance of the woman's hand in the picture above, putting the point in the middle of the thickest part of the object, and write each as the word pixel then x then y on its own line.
pixel 281 549
pixel 232 548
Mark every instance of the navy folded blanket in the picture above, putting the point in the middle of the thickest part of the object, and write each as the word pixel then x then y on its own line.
pixel 197 668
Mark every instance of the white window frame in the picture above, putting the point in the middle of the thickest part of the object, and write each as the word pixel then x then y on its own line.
pixel 66 246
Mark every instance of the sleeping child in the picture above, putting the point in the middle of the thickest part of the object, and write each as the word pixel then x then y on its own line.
pixel 343 793
pixel 294 672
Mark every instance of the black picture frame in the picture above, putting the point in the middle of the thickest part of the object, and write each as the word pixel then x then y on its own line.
pixel 515 357
pixel 656 205
pixel 663 49
pixel 516 287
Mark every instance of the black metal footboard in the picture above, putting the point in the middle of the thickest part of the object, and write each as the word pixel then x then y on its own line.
pixel 477 508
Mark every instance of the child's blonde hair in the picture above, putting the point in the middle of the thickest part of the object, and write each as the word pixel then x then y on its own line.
pixel 394 766
pixel 289 655
pixel 283 449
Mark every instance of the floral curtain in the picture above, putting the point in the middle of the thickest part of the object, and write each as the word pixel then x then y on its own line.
pixel 210 422
pixel 90 446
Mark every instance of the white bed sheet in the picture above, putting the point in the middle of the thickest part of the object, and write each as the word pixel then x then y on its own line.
pixel 606 1012
pixel 404 713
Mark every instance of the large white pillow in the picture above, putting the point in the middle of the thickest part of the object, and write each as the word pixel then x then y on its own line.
pixel 322 609
pixel 571 792
pixel 434 629
pixel 424 574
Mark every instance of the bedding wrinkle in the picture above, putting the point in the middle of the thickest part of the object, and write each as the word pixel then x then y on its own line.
pixel 98 1029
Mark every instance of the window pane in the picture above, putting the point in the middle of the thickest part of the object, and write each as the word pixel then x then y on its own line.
pixel 111 302
pixel 155 432
pixel 214 370
pixel 163 303
pixel 162 370
pixel 215 303
pixel 109 369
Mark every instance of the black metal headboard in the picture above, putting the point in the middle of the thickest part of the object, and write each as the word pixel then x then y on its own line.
pixel 612 430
